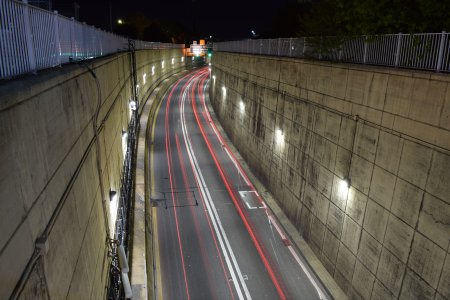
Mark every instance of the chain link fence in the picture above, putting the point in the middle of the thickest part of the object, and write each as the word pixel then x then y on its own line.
pixel 427 51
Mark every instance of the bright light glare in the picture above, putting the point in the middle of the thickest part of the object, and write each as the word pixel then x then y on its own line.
pixel 209 64
pixel 133 105
pixel 193 58
pixel 124 142
pixel 224 91
pixel 144 78
pixel 173 61
pixel 209 69
pixel 153 70
pixel 162 64
pixel 119 21
pixel 344 186
pixel 242 106
pixel 279 136
pixel 113 210
pixel 182 59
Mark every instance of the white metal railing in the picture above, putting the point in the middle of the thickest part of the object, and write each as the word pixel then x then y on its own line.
pixel 32 39
pixel 428 51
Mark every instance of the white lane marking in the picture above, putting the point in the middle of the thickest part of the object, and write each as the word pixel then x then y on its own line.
pixel 294 254
pixel 271 221
pixel 244 198
pixel 217 224
pixel 238 170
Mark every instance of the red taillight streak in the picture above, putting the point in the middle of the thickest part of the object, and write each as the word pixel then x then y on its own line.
pixel 238 207
pixel 197 227
pixel 169 165
pixel 209 222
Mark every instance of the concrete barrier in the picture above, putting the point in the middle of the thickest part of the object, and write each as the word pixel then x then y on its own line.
pixel 358 159
pixel 48 175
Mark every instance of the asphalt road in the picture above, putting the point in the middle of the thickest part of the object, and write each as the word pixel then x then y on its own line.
pixel 215 237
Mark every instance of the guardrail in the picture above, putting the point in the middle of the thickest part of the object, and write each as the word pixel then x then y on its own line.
pixel 33 39
pixel 427 51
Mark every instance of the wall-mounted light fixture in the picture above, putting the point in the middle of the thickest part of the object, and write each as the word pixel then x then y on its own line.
pixel 173 61
pixel 242 106
pixel 153 70
pixel 182 59
pixel 162 64
pixel 144 78
pixel 113 203
pixel 279 137
pixel 112 195
pixel 124 143
pixel 344 187
pixel 224 91
pixel 132 105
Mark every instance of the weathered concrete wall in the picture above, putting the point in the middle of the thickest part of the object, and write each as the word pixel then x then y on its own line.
pixel 48 159
pixel 305 126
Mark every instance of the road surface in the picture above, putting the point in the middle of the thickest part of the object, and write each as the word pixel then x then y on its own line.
pixel 215 237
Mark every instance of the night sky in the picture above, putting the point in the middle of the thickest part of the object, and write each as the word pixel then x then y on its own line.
pixel 228 19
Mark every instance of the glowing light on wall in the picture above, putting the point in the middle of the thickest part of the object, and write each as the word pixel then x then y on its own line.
pixel 279 137
pixel 162 64
pixel 182 59
pixel 242 106
pixel 224 91
pixel 173 61
pixel 144 78
pixel 343 189
pixel 124 143
pixel 132 107
pixel 153 70
pixel 113 203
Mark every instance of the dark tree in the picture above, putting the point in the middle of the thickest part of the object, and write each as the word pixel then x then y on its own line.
pixel 356 17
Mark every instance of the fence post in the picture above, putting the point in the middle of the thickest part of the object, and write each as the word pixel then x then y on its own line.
pixel 320 48
pixel 441 51
pixel 290 47
pixel 57 42
pixel 365 50
pixel 279 46
pixel 29 37
pixel 304 46
pixel 397 53
pixel 72 39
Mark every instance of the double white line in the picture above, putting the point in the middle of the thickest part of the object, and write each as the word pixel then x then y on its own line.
pixel 230 259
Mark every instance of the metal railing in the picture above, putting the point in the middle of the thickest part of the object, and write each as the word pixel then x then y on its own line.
pixel 33 39
pixel 427 51
pixel 122 225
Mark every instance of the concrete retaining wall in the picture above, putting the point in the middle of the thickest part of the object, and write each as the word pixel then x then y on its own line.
pixel 305 126
pixel 48 156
